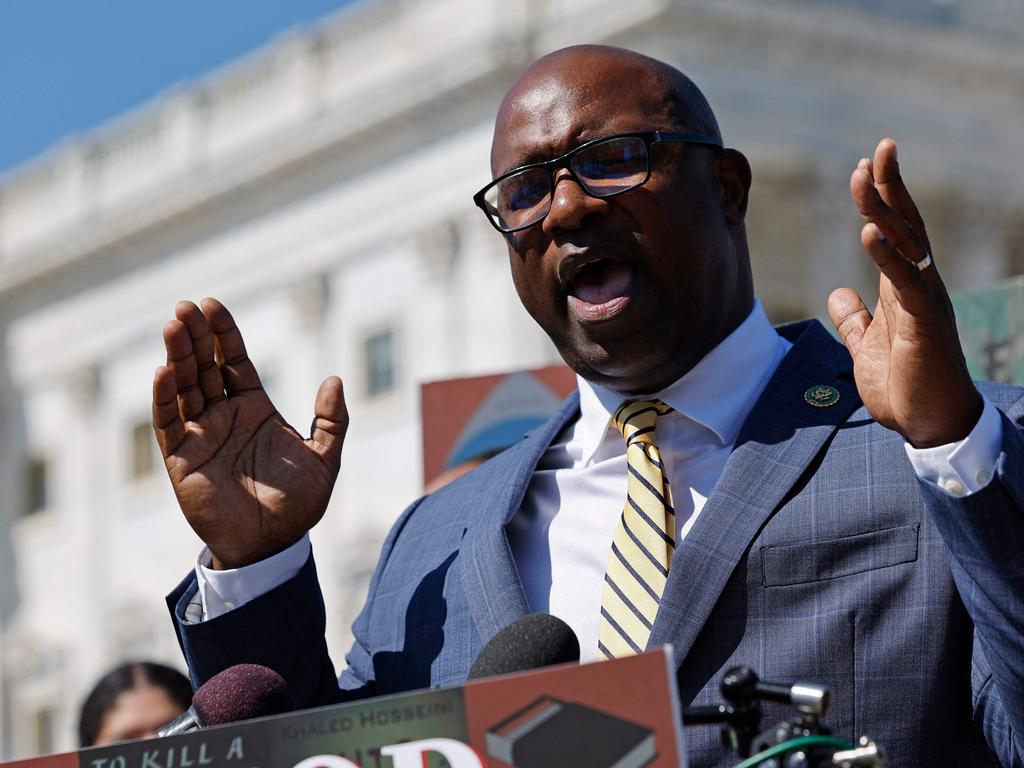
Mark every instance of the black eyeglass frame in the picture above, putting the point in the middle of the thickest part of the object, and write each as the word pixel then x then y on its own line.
pixel 648 137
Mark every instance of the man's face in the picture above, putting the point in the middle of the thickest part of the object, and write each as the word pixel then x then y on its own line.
pixel 633 289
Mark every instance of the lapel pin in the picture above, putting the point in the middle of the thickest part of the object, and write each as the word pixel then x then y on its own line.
pixel 821 396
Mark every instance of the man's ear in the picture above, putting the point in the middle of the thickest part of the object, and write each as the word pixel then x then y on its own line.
pixel 733 174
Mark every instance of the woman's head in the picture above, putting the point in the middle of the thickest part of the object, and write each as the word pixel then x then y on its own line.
pixel 132 701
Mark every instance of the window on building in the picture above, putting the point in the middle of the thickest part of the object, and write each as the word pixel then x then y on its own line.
pixel 380 363
pixel 36 497
pixel 142 457
pixel 45 732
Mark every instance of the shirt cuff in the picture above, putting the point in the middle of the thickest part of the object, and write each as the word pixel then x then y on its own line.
pixel 966 466
pixel 222 591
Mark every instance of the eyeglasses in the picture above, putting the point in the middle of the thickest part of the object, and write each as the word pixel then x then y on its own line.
pixel 603 167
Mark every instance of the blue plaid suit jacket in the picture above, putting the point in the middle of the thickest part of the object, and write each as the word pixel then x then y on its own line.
pixel 819 556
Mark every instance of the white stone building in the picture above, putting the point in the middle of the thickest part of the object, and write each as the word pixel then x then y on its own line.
pixel 321 187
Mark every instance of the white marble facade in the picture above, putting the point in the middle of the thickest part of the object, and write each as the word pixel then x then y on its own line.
pixel 321 187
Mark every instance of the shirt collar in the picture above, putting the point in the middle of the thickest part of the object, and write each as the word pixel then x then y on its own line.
pixel 718 393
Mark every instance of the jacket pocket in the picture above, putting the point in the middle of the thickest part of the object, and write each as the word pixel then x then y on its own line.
pixel 811 561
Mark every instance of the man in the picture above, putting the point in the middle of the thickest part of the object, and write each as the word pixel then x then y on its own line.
pixel 770 515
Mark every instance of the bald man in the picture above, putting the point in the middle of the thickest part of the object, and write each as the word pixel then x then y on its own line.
pixel 844 514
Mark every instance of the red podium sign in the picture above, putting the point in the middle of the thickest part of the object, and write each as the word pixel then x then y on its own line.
pixel 612 714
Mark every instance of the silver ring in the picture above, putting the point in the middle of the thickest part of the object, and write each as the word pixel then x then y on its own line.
pixel 924 263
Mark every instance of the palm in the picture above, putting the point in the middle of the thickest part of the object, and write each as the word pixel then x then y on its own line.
pixel 885 360
pixel 908 365
pixel 248 483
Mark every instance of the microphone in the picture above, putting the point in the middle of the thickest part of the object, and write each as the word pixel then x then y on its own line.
pixel 241 692
pixel 536 640
pixel 741 685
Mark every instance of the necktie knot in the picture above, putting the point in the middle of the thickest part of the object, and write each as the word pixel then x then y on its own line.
pixel 635 420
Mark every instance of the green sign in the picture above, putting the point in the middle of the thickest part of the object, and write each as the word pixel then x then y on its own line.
pixel 991 325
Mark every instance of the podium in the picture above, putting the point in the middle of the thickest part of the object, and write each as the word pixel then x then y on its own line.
pixel 622 713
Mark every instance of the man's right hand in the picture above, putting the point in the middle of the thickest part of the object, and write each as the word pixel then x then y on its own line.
pixel 248 483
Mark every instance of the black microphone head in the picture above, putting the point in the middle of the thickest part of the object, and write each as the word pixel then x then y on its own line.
pixel 536 640
pixel 241 692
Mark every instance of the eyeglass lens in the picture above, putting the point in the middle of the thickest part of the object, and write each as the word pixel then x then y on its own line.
pixel 603 169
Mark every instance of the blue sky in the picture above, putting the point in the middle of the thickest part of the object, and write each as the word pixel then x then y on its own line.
pixel 70 65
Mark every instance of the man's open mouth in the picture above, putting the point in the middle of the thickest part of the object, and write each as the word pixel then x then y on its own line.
pixel 600 289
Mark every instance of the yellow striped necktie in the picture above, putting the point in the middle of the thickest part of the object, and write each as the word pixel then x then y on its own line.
pixel 644 541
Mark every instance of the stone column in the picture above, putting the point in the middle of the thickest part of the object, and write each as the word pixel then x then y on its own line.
pixel 84 503
pixel 438 250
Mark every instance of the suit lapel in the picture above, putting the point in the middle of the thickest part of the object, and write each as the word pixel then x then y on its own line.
pixel 779 440
pixel 488 571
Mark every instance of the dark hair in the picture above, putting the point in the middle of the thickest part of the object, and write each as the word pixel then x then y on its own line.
pixel 123 678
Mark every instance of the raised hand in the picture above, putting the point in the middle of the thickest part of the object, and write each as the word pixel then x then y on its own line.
pixel 248 483
pixel 908 364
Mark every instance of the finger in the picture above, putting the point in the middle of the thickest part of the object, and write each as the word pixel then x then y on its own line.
pixel 850 316
pixel 907 280
pixel 330 421
pixel 238 372
pixel 875 210
pixel 167 423
pixel 211 384
pixel 893 191
pixel 182 361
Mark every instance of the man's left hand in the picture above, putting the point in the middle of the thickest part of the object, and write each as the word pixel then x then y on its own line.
pixel 908 364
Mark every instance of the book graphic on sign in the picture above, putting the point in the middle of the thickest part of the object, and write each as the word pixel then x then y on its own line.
pixel 550 733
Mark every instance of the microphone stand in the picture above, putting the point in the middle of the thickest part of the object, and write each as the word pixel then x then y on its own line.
pixel 807 742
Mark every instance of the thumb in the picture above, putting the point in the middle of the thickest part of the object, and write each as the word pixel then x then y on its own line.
pixel 330 421
pixel 850 317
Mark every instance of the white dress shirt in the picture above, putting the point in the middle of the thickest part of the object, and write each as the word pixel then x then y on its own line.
pixel 562 535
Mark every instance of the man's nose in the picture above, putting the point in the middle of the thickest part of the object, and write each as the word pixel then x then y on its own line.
pixel 571 205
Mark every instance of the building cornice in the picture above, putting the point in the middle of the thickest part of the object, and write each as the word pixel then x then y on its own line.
pixel 318 90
